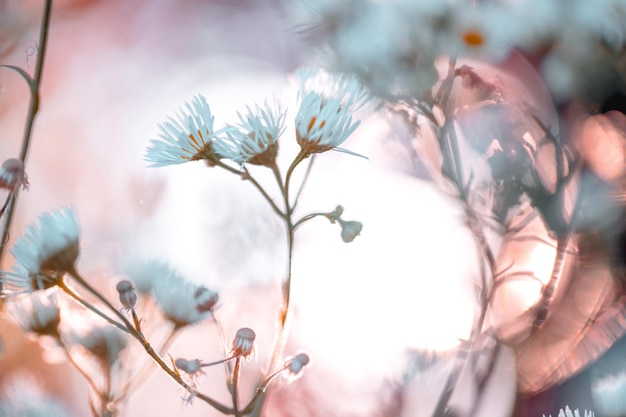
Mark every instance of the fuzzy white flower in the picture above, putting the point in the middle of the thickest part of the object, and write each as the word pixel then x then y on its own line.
pixel 323 124
pixel 609 394
pixel 47 250
pixel 103 341
pixel 254 139
pixel 12 175
pixel 38 313
pixel 343 87
pixel 178 300
pixel 186 138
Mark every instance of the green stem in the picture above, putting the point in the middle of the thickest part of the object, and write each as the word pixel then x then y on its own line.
pixel 34 84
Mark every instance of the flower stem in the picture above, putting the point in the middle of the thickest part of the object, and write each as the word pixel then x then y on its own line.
pixel 34 84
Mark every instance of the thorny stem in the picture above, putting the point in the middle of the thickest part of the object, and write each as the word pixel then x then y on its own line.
pixel 34 84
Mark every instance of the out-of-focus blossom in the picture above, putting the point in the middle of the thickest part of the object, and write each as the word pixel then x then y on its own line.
pixel 254 139
pixel 37 313
pixel 206 300
pixel 296 364
pixel 48 249
pixel 13 176
pixel 144 273
pixel 190 367
pixel 188 137
pixel 323 124
pixel 609 395
pixel 177 299
pixel 568 413
pixel 104 342
pixel 343 87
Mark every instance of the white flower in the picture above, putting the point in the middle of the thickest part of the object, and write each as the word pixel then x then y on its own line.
pixel 254 139
pixel 609 394
pixel 12 175
pixel 343 87
pixel 104 342
pixel 187 138
pixel 323 124
pixel 48 249
pixel 568 413
pixel 37 313
pixel 177 299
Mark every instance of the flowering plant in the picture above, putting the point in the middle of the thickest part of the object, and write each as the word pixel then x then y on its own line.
pixel 494 102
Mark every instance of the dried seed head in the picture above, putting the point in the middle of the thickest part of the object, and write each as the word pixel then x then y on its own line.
pixel 243 344
pixel 205 299
pixel 12 175
pixel 190 367
pixel 127 294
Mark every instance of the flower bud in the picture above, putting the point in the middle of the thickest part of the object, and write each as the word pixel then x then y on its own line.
pixel 128 297
pixel 205 299
pixel 12 175
pixel 295 365
pixel 350 230
pixel 189 367
pixel 243 344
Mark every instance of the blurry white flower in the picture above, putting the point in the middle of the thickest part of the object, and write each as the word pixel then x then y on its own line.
pixel 12 175
pixel 254 139
pixel 144 273
pixel 344 87
pixel 37 313
pixel 23 396
pixel 177 299
pixel 104 342
pixel 568 413
pixel 609 394
pixel 243 343
pixel 187 138
pixel 323 124
pixel 205 299
pixel 48 249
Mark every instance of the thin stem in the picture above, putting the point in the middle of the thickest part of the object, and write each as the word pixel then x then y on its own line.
pixel 260 390
pixel 80 370
pixel 307 218
pixel 89 306
pixel 34 84
pixel 304 180
pixel 149 349
pixel 235 383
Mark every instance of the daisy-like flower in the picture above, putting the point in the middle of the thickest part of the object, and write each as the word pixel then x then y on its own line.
pixel 254 139
pixel 47 250
pixel 322 124
pixel 178 299
pixel 104 342
pixel 185 138
pixel 37 313
pixel 12 175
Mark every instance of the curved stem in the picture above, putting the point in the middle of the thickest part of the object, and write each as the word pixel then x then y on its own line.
pixel 149 349
pixel 89 306
pixel 34 84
